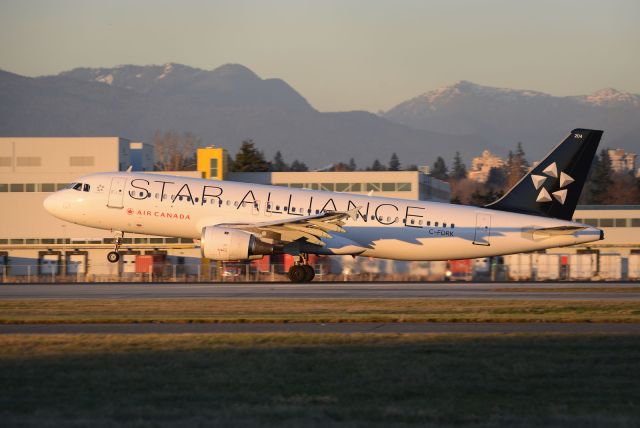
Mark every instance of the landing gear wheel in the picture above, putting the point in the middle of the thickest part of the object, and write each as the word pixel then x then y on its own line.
pixel 113 256
pixel 297 273
pixel 309 273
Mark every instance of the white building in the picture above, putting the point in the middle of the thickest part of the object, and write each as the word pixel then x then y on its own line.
pixel 33 168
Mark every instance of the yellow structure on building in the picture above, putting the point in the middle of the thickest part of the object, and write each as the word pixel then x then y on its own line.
pixel 213 162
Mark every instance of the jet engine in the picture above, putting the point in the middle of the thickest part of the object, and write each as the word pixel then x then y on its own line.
pixel 222 243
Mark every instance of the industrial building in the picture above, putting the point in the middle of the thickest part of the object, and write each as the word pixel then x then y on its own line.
pixel 32 242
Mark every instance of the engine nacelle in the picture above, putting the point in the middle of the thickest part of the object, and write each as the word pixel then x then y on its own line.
pixel 221 243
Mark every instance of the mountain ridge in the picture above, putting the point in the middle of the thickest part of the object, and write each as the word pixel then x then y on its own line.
pixel 231 103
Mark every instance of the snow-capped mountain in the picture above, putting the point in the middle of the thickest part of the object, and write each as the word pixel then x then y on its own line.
pixel 505 116
pixel 223 106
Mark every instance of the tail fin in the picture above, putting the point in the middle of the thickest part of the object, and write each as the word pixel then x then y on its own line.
pixel 553 187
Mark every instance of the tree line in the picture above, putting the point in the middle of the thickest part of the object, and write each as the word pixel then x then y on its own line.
pixel 176 152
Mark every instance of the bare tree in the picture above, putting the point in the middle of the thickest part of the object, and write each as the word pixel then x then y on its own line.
pixel 174 151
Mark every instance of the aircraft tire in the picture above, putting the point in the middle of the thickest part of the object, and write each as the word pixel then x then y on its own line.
pixel 309 273
pixel 113 257
pixel 297 273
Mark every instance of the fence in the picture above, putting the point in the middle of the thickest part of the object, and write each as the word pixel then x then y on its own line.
pixel 458 271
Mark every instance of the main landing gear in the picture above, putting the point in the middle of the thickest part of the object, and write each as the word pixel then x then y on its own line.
pixel 302 271
pixel 114 256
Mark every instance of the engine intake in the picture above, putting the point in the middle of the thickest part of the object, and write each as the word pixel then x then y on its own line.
pixel 222 243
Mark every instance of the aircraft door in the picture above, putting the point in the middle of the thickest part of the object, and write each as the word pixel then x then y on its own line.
pixel 483 229
pixel 116 192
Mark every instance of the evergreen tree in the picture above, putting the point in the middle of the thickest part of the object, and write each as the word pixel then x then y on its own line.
pixel 352 165
pixel 394 163
pixel 377 166
pixel 497 178
pixel 459 169
pixel 249 159
pixel 298 166
pixel 601 179
pixel 439 169
pixel 522 157
pixel 412 167
pixel 278 164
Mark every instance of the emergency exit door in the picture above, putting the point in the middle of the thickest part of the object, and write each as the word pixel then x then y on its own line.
pixel 483 229
pixel 116 192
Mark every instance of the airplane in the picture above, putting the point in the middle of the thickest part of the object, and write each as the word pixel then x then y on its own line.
pixel 244 221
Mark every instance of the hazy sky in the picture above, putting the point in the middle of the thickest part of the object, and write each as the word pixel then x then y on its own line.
pixel 341 55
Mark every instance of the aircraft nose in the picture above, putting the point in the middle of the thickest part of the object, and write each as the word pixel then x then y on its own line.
pixel 52 204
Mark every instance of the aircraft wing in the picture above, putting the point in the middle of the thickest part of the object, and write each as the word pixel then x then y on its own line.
pixel 308 228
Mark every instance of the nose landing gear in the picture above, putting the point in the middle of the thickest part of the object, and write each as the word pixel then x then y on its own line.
pixel 114 256
pixel 302 271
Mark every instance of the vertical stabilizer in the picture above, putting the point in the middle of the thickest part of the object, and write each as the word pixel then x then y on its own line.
pixel 553 187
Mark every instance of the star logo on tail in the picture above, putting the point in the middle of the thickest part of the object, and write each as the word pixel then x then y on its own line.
pixel 551 171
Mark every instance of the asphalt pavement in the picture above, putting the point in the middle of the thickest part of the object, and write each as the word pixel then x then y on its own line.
pixel 319 290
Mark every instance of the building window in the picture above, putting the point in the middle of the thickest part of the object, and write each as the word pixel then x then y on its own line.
pixel 356 187
pixel 5 161
pixel 620 222
pixel 30 187
pixel 296 185
pixel 403 187
pixel 635 222
pixel 373 186
pixel 213 167
pixel 60 186
pixel 81 161
pixel 4 187
pixel 342 187
pixel 28 161
pixel 327 186
pixel 388 187
pixel 606 222
pixel 16 187
pixel 591 222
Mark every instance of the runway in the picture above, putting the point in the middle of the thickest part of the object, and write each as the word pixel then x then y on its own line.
pixel 326 328
pixel 319 290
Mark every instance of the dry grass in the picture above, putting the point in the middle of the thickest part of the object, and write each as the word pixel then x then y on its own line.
pixel 313 310
pixel 319 380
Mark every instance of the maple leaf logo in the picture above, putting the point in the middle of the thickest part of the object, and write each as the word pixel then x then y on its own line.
pixel 129 211
pixel 559 195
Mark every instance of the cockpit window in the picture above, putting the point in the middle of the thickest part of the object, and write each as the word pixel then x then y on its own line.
pixel 85 187
pixel 76 186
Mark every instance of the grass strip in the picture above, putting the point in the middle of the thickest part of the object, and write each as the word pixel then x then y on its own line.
pixel 289 380
pixel 313 310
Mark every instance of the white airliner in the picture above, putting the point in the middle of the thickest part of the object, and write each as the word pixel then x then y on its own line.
pixel 242 221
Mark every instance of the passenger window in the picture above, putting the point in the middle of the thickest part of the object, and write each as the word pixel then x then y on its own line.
pixel 429 223
pixel 317 211
pixel 228 202
pixel 277 207
pixel 452 225
pixel 284 208
pixel 413 221
pixel 141 194
pixel 444 224
pixel 293 209
pixel 195 199
pixel 436 224
pixel 179 198
pixel 373 217
pixel 420 222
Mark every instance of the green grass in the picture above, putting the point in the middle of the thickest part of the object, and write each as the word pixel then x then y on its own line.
pixel 319 380
pixel 313 310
